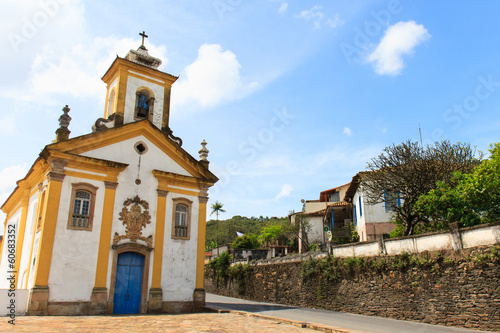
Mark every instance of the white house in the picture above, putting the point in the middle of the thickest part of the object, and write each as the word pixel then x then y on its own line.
pixel 345 204
pixel 371 219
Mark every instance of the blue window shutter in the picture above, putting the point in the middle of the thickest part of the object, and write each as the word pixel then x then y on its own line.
pixel 399 200
pixel 360 208
pixel 333 220
pixel 355 214
pixel 385 200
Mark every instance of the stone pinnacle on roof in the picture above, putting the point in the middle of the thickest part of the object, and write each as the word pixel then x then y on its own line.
pixel 62 133
pixel 203 151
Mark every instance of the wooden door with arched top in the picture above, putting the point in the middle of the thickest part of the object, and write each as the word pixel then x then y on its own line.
pixel 128 283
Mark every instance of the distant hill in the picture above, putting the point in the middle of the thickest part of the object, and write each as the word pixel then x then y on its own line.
pixel 228 228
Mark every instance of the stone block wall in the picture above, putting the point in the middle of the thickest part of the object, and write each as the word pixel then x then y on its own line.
pixel 446 288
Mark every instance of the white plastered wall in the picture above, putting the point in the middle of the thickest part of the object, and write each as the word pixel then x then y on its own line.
pixel 371 214
pixel 28 237
pixel 74 253
pixel 178 279
pixel 360 219
pixel 315 234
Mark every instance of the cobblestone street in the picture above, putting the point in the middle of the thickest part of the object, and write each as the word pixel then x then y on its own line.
pixel 204 322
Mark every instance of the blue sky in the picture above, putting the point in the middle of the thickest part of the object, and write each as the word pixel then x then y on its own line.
pixel 293 97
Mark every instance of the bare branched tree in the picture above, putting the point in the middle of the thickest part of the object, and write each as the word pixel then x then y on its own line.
pixel 409 170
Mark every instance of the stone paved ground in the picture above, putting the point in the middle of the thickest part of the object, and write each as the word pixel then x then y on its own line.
pixel 203 322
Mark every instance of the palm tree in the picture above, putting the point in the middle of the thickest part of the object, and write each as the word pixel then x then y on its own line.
pixel 216 208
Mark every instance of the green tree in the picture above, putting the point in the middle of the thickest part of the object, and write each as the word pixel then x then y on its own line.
pixel 469 198
pixel 216 208
pixel 227 228
pixel 410 171
pixel 273 233
pixel 247 241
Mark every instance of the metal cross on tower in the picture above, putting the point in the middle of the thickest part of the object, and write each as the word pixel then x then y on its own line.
pixel 143 34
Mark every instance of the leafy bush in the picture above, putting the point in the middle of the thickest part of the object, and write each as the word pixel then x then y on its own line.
pixel 247 241
pixel 240 274
pixel 221 265
pixel 310 268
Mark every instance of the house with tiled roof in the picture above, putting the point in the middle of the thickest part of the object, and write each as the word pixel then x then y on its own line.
pixel 329 217
pixel 371 219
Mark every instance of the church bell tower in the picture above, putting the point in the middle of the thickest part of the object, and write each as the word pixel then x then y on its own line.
pixel 136 90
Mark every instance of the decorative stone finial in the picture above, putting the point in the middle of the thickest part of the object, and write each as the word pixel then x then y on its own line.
pixel 62 133
pixel 203 151
pixel 64 119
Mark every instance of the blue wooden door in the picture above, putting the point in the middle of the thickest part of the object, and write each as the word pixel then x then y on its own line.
pixel 128 283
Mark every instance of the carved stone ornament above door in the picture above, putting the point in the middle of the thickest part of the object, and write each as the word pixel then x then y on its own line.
pixel 135 219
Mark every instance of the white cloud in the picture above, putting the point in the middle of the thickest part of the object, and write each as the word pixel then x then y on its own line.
pixel 316 16
pixel 10 175
pixel 347 131
pixel 214 77
pixel 285 191
pixel 283 8
pixel 8 178
pixel 76 72
pixel 399 39
pixel 335 22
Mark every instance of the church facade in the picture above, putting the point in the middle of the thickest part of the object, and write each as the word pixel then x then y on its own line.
pixel 112 221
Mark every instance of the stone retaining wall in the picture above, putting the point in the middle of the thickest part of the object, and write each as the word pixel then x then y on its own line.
pixel 456 289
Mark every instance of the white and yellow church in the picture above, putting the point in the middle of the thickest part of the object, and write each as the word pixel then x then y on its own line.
pixel 112 221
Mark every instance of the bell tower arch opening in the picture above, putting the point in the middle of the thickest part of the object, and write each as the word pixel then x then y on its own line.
pixel 144 104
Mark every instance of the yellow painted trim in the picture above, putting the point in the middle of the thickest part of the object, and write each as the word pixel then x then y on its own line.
pixel 11 206
pixel 106 104
pixel 174 179
pixel 158 245
pixel 121 87
pixel 161 82
pixel 179 191
pixel 122 64
pixel 147 79
pixel 3 239
pixel 110 169
pixel 130 131
pixel 166 106
pixel 84 175
pixel 20 233
pixel 146 88
pixel 32 179
pixel 105 238
pixel 49 223
pixel 200 255
pixel 108 94
pixel 35 218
